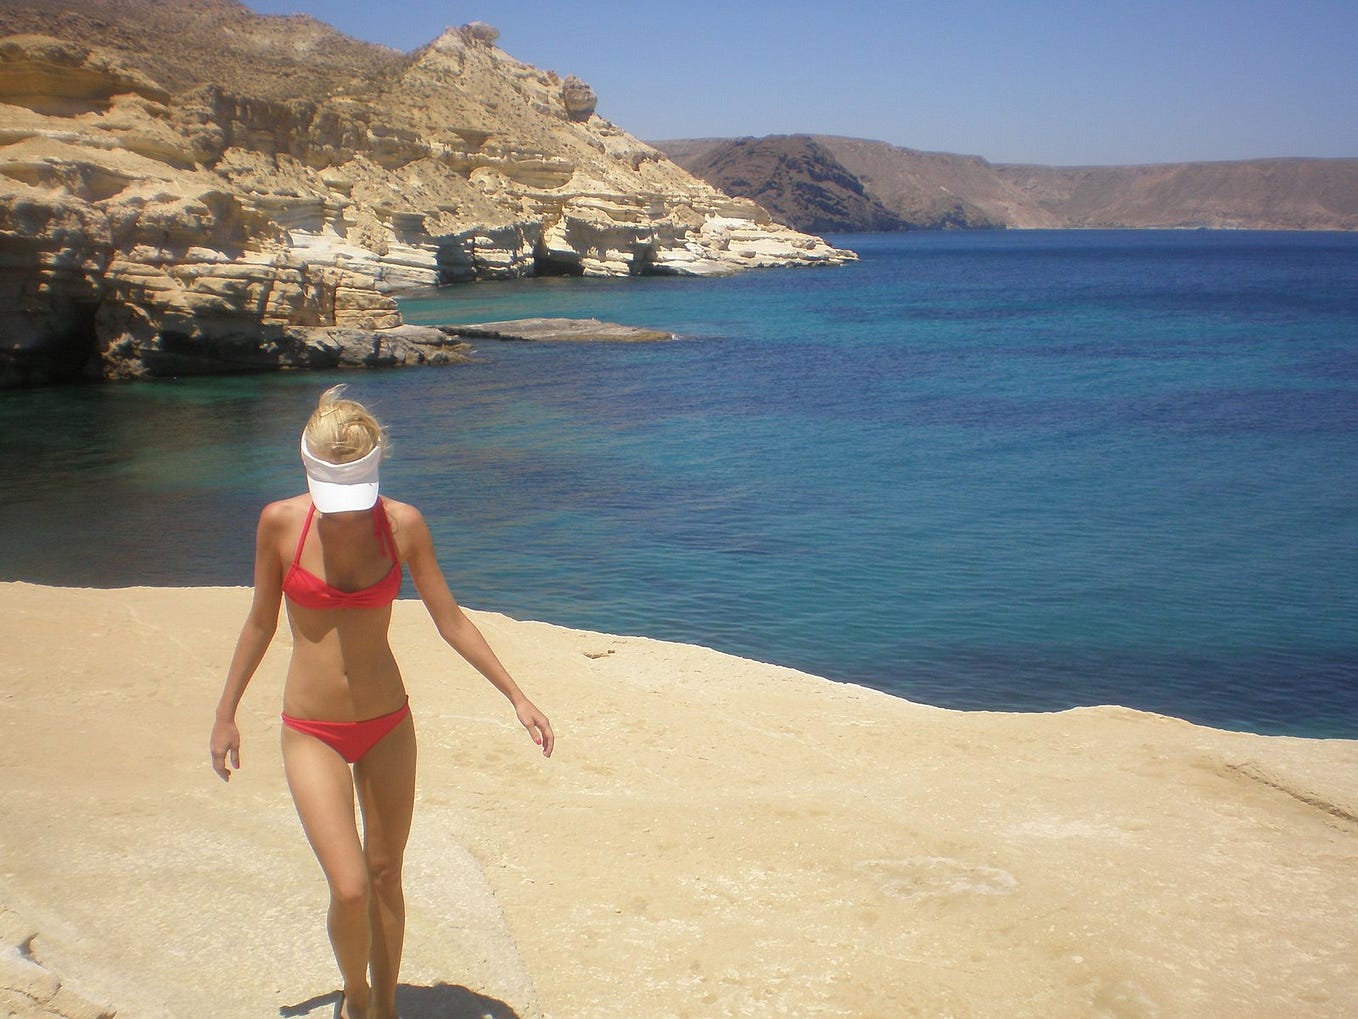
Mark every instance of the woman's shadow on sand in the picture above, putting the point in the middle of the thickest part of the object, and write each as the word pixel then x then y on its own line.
pixel 441 1001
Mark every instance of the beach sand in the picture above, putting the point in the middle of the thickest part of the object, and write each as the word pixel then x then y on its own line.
pixel 713 837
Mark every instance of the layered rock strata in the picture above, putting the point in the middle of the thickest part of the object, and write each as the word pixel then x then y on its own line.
pixel 154 223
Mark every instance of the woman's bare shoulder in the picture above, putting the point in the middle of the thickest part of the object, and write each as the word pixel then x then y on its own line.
pixel 284 512
pixel 401 512
pixel 406 520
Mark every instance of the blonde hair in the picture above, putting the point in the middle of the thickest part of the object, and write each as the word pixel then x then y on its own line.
pixel 342 430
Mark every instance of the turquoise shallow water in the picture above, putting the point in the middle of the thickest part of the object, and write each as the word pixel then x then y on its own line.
pixel 1009 470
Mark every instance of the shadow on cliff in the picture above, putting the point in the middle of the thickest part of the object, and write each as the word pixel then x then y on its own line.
pixel 440 1001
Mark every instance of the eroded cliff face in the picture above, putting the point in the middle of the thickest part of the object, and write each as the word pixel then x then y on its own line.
pixel 153 227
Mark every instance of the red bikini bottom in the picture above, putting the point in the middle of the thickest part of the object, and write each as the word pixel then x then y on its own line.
pixel 351 740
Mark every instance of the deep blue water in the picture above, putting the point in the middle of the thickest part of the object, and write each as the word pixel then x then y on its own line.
pixel 1022 470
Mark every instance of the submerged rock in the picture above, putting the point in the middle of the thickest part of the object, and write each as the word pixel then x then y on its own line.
pixel 558 330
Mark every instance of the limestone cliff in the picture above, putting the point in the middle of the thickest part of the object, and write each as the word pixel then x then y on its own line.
pixel 186 186
pixel 797 177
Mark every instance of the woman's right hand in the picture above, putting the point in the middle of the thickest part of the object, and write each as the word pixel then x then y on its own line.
pixel 537 725
pixel 225 741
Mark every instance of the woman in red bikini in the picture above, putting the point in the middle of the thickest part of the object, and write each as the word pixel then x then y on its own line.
pixel 335 555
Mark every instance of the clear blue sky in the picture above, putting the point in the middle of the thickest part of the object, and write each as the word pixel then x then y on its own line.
pixel 1061 83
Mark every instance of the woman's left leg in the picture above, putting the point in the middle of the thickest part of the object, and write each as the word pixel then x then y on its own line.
pixel 385 781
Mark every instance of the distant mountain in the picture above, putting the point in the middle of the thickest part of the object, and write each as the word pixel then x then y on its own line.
pixel 797 175
pixel 829 184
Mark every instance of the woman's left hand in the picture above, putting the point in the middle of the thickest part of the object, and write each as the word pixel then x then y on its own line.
pixel 537 725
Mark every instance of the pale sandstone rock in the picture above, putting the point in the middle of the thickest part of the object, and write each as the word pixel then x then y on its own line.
pixel 122 203
pixel 712 837
pixel 63 76
pixel 28 988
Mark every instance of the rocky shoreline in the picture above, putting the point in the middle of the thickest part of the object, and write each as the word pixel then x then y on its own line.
pixel 155 220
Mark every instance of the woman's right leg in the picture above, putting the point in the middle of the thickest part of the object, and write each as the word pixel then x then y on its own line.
pixel 323 790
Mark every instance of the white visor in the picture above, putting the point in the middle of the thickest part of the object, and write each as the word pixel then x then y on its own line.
pixel 342 488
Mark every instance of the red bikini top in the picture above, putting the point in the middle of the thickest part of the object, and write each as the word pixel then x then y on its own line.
pixel 306 589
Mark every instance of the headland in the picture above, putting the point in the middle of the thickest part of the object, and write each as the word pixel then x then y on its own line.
pixel 191 187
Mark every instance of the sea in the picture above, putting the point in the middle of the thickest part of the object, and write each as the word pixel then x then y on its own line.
pixel 1011 471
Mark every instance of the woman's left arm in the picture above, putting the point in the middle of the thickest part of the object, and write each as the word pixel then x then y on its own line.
pixel 460 633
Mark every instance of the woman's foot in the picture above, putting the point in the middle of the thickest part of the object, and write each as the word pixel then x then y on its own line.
pixel 346 1009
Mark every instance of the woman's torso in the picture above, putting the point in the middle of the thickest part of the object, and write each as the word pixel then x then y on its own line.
pixel 338 585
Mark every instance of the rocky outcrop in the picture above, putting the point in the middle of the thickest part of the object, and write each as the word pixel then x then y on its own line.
pixel 852 184
pixel 578 98
pixel 157 220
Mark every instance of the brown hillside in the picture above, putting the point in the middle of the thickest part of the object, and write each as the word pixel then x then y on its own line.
pixel 795 178
pixel 183 44
pixel 933 189
pixel 1261 194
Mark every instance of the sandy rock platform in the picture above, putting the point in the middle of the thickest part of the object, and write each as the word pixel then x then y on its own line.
pixel 713 837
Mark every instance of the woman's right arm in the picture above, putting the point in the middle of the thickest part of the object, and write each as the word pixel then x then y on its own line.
pixel 255 637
